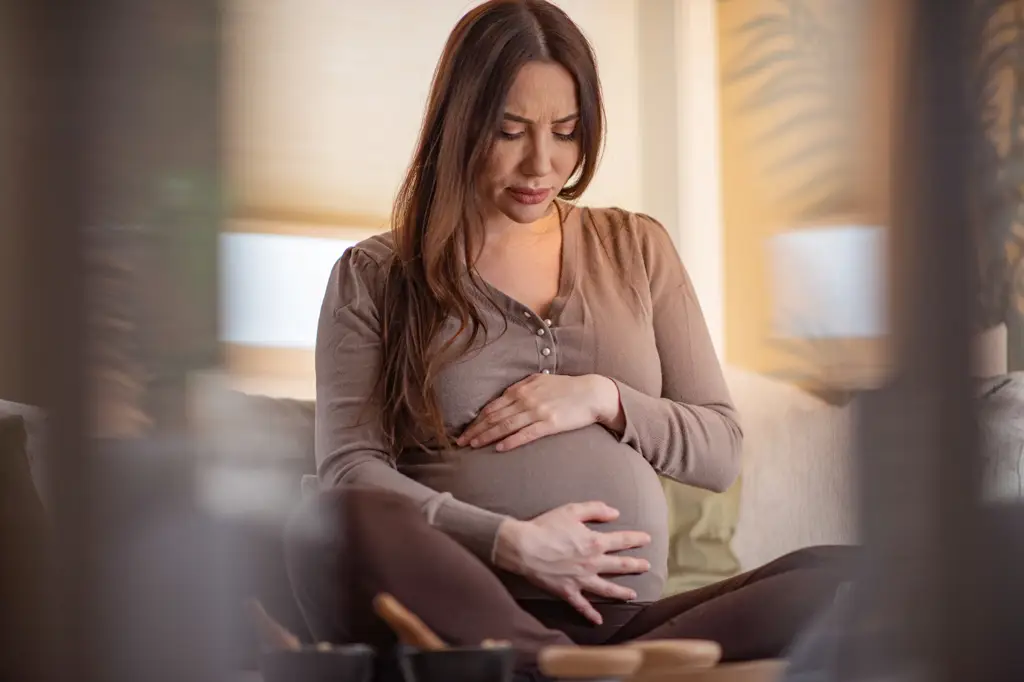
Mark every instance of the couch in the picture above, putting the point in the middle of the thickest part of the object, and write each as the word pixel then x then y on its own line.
pixel 796 488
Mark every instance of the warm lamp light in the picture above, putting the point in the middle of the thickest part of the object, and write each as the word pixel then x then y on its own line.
pixel 830 282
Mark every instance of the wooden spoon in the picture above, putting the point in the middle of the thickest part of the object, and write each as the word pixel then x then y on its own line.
pixel 272 633
pixel 406 624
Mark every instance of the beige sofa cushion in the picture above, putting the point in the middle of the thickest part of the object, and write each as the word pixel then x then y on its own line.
pixel 798 475
pixel 796 488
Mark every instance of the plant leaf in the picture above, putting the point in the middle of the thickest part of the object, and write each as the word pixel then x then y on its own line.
pixel 798 122
pixel 983 14
pixel 987 91
pixel 822 181
pixel 762 39
pixel 778 88
pixel 816 147
pixel 992 30
pixel 993 61
pixel 765 22
pixel 766 62
pixel 1012 170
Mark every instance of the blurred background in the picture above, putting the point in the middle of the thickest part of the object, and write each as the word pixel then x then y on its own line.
pixel 178 177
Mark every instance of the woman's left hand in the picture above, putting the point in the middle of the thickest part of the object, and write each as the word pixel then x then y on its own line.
pixel 541 405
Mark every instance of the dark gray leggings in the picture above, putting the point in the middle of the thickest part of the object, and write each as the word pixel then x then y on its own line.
pixel 345 546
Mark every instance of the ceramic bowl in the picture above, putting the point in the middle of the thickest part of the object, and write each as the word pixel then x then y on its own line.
pixel 348 663
pixel 458 664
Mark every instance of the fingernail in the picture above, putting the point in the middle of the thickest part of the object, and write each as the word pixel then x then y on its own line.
pixel 632 596
pixel 475 442
pixel 500 447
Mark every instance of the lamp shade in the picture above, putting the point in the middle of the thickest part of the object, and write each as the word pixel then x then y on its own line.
pixel 830 282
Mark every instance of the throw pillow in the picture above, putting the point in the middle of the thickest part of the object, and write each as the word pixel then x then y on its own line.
pixel 701 527
pixel 1001 425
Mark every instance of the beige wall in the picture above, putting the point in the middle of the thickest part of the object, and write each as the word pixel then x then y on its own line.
pixel 324 100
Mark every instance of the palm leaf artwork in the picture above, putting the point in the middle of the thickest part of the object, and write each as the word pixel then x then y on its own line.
pixel 996 90
pixel 795 63
pixel 795 67
pixel 796 56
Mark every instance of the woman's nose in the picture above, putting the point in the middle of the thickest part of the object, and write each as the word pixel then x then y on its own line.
pixel 538 156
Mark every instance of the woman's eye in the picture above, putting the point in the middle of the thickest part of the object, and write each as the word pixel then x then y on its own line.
pixel 564 135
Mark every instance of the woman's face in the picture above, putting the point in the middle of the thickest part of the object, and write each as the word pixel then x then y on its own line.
pixel 537 147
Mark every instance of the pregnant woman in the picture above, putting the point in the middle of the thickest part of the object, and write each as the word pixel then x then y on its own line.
pixel 502 379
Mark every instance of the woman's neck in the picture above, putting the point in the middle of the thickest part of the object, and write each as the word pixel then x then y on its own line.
pixel 502 230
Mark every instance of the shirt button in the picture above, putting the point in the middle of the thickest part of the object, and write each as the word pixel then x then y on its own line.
pixel 540 332
pixel 547 322
pixel 545 371
pixel 526 313
pixel 546 352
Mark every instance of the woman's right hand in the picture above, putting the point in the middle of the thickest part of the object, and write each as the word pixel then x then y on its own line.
pixel 559 553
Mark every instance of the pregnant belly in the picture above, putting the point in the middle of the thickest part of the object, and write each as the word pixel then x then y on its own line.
pixel 578 466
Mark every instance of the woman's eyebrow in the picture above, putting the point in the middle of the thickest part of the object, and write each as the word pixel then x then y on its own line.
pixel 523 119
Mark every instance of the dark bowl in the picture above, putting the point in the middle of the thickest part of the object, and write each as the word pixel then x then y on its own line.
pixel 348 663
pixel 460 664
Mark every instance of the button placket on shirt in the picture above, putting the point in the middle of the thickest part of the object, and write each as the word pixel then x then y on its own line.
pixel 545 342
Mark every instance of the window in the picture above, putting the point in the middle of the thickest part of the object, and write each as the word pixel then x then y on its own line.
pixel 272 281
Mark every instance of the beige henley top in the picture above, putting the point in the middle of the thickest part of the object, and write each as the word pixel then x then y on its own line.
pixel 625 309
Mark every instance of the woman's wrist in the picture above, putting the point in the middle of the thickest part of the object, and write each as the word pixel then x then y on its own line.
pixel 507 545
pixel 607 404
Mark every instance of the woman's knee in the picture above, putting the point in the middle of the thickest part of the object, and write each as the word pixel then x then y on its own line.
pixel 330 539
pixel 825 556
pixel 343 519
pixel 837 559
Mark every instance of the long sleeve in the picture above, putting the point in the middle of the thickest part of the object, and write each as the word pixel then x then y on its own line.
pixel 691 432
pixel 350 445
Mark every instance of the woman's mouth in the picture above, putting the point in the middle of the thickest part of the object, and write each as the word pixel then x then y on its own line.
pixel 525 195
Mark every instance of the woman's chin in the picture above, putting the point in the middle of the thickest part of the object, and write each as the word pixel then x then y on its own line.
pixel 524 214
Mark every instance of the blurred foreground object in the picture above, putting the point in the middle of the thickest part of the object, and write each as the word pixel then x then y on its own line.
pixel 113 112
pixel 935 600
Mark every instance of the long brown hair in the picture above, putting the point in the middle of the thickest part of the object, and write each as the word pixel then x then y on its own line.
pixel 437 202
